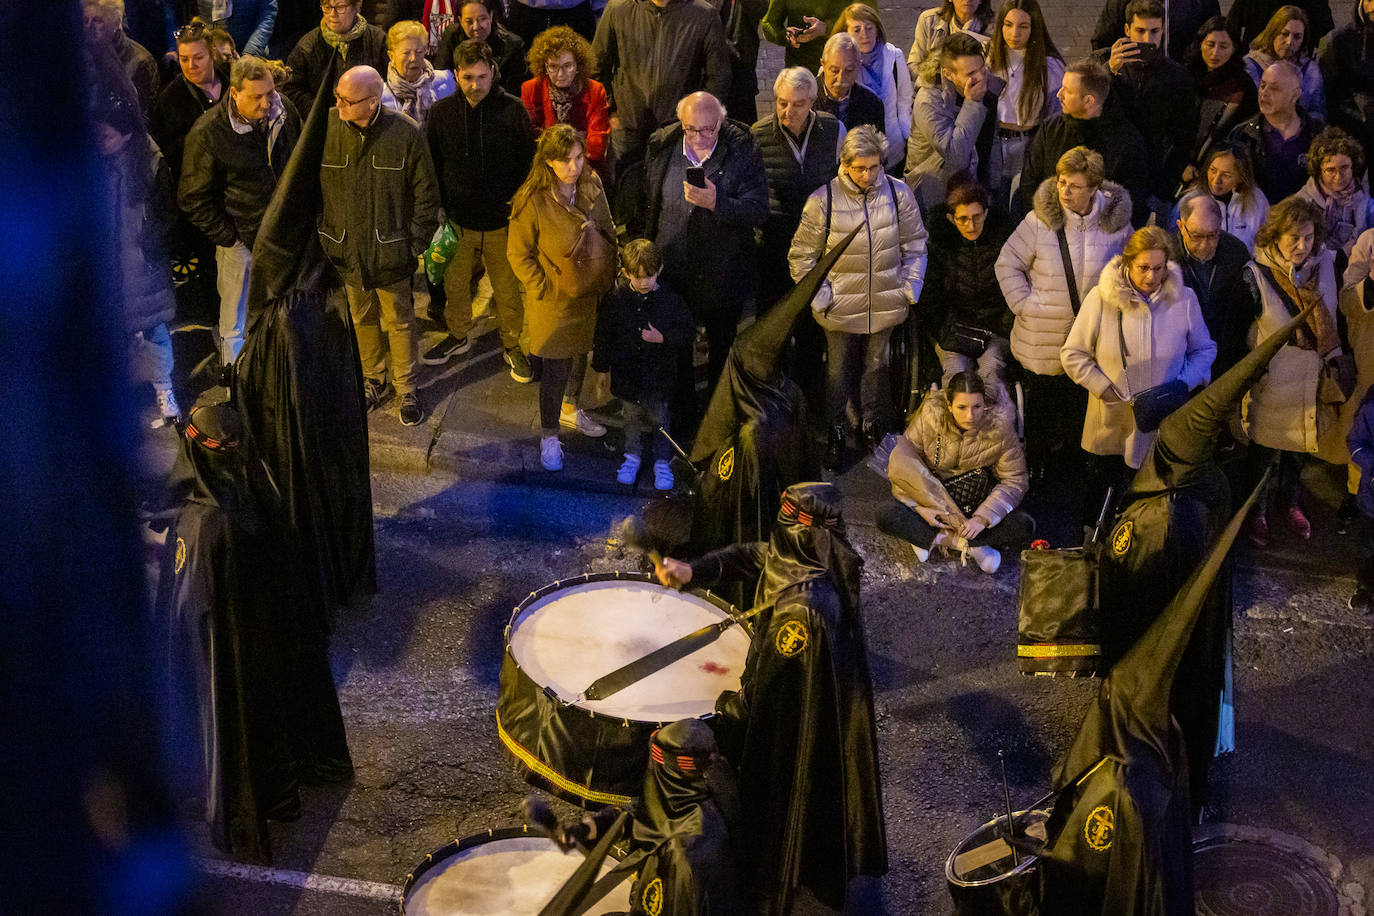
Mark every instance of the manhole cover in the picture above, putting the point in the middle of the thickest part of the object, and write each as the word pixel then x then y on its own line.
pixel 1255 876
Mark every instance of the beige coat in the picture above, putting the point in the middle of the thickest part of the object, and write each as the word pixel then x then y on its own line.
pixel 561 326
pixel 1121 341
pixel 934 448
pixel 1280 410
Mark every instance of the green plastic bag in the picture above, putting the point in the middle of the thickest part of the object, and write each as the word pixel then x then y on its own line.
pixel 440 252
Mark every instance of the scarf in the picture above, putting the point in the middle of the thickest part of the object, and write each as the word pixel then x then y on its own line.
pixel 1319 332
pixel 872 67
pixel 339 40
pixel 562 101
pixel 1340 216
pixel 416 97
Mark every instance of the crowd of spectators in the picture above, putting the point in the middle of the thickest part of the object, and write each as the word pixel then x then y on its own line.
pixel 1102 233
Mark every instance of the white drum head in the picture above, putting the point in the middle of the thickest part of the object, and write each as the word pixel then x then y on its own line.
pixel 569 638
pixel 514 877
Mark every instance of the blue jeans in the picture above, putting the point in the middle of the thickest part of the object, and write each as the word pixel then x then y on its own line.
pixel 153 356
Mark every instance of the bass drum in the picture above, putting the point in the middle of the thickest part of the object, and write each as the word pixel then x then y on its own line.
pixel 565 636
pixel 507 872
pixel 986 880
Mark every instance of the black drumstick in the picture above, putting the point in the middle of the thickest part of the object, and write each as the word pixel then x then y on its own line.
pixel 1006 794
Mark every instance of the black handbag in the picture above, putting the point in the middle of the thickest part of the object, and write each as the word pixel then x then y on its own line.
pixel 969 489
pixel 1152 405
pixel 965 339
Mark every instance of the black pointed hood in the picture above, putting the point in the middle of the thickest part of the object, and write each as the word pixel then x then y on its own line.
pixel 286 252
pixel 1186 444
pixel 756 354
pixel 1131 716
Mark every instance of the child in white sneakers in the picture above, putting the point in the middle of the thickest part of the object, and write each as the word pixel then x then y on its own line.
pixel 641 329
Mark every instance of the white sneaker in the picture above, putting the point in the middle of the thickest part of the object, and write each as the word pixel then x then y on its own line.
pixel 629 471
pixel 551 453
pixel 922 554
pixel 569 417
pixel 987 558
pixel 169 412
pixel 663 475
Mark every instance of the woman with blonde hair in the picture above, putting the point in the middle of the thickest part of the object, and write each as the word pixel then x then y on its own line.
pixel 562 90
pixel 562 248
pixel 881 70
pixel 1139 346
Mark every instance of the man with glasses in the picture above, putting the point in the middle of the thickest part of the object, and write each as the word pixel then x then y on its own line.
pixel 1213 265
pixel 342 31
pixel 381 207
pixel 235 154
pixel 703 192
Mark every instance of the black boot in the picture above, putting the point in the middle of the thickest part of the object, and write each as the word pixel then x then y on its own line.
pixel 834 449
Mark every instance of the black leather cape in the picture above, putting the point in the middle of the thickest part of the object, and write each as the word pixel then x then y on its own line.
pixel 808 761
pixel 299 386
pixel 257 679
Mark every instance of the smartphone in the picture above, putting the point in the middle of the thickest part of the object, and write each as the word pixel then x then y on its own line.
pixel 696 176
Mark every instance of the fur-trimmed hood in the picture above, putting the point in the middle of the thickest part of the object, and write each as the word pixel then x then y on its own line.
pixel 1111 203
pixel 1117 291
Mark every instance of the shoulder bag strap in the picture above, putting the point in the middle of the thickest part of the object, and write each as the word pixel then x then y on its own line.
pixel 1068 270
pixel 896 210
pixel 1280 287
pixel 825 233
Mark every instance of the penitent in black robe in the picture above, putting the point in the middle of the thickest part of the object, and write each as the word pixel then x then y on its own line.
pixel 808 763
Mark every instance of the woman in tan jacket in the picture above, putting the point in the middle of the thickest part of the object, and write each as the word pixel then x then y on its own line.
pixel 958 475
pixel 562 248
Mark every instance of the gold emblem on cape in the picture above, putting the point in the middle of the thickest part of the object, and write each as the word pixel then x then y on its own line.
pixel 1100 827
pixel 726 465
pixel 181 555
pixel 791 638
pixel 653 897
pixel 1122 538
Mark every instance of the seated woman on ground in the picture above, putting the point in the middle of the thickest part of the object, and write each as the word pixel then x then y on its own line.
pixel 958 474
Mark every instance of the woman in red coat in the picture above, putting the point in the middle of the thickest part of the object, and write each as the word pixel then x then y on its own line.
pixel 563 91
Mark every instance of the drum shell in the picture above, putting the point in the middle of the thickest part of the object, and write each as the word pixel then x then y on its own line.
pixel 582 756
pixel 1015 893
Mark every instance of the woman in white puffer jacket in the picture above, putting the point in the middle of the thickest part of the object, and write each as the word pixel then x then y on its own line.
pixel 1095 217
pixel 882 69
pixel 871 287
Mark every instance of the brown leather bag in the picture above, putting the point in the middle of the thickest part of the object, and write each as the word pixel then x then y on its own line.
pixel 589 267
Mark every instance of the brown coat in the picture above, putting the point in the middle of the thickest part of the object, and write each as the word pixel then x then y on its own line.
pixel 561 326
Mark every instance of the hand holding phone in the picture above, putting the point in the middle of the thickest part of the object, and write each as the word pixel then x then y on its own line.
pixel 696 176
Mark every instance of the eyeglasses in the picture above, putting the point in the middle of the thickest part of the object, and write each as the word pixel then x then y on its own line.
pixel 336 7
pixel 1200 236
pixel 552 67
pixel 191 32
pixel 701 130
pixel 971 218
pixel 343 101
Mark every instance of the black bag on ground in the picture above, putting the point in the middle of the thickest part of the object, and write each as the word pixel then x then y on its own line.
pixel 1059 631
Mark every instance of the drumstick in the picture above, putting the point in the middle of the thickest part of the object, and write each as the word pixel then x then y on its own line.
pixel 632 535
pixel 1006 794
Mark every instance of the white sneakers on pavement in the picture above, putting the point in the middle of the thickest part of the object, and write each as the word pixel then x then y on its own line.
pixel 628 471
pixel 663 475
pixel 570 417
pixel 551 453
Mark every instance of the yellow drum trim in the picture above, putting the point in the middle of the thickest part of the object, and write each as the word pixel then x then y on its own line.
pixel 1057 651
pixel 567 785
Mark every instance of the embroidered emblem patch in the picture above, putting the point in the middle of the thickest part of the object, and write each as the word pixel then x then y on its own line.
pixel 653 897
pixel 1123 537
pixel 792 638
pixel 181 555
pixel 726 465
pixel 1100 828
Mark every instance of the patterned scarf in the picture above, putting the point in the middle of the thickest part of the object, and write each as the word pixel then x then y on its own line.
pixel 562 100
pixel 1340 217
pixel 414 98
pixel 339 40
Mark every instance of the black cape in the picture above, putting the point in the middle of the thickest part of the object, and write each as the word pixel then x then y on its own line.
pixel 258 679
pixel 299 386
pixel 1173 511
pixel 808 762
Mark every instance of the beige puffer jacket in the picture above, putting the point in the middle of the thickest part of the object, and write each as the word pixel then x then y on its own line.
pixel 934 448
pixel 1280 410
pixel 1031 269
pixel 878 278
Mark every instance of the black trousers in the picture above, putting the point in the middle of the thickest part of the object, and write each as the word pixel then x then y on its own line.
pixel 1287 480
pixel 1055 408
pixel 1011 533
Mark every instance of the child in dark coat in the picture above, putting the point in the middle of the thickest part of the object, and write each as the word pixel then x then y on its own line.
pixel 1360 441
pixel 641 329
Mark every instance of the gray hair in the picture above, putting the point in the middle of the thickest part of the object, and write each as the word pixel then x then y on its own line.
pixel 841 43
pixel 696 100
pixel 864 140
pixel 798 78
pixel 114 7
pixel 248 67
pixel 1192 199
pixel 1288 69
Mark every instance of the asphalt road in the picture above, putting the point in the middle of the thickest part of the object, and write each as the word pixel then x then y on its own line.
pixel 417 673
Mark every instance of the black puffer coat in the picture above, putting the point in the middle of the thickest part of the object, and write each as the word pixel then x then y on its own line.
pixel 309 62
pixel 1118 142
pixel 176 110
pixel 791 182
pixel 960 277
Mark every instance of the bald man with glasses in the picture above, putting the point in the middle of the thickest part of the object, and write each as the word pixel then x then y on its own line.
pixel 1213 263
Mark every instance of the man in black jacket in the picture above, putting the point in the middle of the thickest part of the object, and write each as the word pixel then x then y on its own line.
pixel 482 144
pixel 342 31
pixel 706 229
pixel 801 152
pixel 649 54
pixel 1184 17
pixel 1346 57
pixel 234 155
pixel 1212 262
pixel 1084 122
pixel 1155 94
pixel 381 207
pixel 841 95
pixel 1279 137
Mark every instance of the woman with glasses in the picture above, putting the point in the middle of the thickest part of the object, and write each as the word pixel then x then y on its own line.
pixel 479 20
pixel 342 32
pixel 1336 163
pixel 562 90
